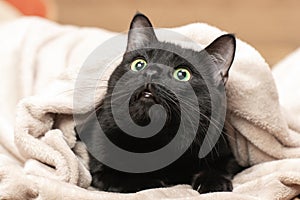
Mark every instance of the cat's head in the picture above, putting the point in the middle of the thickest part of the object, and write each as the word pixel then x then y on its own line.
pixel 160 70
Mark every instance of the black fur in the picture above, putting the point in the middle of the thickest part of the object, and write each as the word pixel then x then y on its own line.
pixel 212 173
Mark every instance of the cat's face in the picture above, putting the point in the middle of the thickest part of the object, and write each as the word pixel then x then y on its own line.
pixel 159 73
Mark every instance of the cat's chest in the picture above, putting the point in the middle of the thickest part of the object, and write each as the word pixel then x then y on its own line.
pixel 141 143
pixel 180 171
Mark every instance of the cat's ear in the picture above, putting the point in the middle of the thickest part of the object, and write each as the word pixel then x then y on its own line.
pixel 141 32
pixel 222 51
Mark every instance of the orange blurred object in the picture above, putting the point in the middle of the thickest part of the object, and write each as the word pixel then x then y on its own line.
pixel 30 7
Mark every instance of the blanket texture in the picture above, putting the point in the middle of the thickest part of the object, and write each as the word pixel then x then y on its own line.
pixel 41 159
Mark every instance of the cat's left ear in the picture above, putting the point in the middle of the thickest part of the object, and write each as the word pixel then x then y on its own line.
pixel 141 32
pixel 222 51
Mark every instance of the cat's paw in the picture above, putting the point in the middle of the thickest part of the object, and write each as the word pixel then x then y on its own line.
pixel 205 182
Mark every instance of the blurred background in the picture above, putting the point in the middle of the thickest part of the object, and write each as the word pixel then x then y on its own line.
pixel 271 26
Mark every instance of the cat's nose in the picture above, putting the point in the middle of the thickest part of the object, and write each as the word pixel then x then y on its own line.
pixel 153 72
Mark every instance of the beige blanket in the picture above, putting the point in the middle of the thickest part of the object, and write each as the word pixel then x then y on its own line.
pixel 41 159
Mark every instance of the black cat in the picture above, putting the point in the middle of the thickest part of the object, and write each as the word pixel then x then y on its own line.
pixel 148 59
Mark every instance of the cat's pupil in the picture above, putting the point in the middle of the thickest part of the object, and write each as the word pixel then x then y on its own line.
pixel 181 75
pixel 140 65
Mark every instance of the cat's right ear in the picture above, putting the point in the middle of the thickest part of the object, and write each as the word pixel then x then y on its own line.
pixel 141 33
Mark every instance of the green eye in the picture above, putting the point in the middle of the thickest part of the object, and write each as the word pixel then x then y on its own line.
pixel 138 65
pixel 182 74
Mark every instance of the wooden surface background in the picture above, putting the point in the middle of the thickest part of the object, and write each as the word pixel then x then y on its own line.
pixel 271 26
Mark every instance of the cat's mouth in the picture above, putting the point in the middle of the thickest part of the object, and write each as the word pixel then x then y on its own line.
pixel 147 94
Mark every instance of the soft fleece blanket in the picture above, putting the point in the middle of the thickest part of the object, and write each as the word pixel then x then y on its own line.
pixel 41 159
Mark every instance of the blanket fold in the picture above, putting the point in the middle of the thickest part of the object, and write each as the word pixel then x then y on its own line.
pixel 264 133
